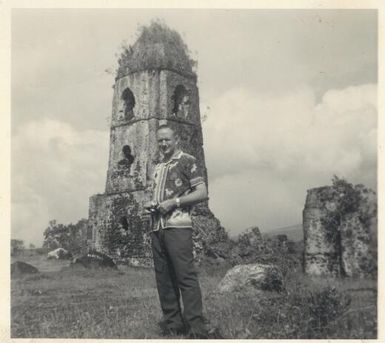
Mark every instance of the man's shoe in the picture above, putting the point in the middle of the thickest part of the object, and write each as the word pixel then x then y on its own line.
pixel 174 332
pixel 214 333
pixel 177 331
pixel 171 331
pixel 197 334
pixel 162 324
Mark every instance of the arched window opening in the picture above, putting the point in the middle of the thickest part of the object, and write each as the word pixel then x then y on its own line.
pixel 128 101
pixel 181 98
pixel 127 159
pixel 123 223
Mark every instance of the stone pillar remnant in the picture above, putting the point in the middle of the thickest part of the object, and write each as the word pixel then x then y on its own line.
pixel 321 254
pixel 355 251
pixel 343 249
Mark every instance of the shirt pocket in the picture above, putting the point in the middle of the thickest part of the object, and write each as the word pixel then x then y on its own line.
pixel 173 176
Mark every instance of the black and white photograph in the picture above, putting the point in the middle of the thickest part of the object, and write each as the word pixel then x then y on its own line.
pixel 193 173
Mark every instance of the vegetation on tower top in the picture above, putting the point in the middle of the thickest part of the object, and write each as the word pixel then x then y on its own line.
pixel 157 47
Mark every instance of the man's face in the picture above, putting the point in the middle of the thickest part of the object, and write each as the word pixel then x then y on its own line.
pixel 166 141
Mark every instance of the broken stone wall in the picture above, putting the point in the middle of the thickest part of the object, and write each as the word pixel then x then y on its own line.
pixel 355 254
pixel 122 231
pixel 154 100
pixel 321 254
pixel 135 176
pixel 153 93
pixel 342 250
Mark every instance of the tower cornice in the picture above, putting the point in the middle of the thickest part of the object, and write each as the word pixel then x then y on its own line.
pixel 121 73
pixel 157 117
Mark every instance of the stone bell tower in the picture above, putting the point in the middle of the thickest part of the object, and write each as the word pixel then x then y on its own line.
pixel 155 84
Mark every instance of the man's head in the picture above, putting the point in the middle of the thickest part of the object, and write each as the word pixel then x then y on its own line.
pixel 167 140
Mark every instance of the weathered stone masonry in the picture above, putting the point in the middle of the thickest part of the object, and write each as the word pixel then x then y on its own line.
pixel 144 97
pixel 344 252
pixel 321 254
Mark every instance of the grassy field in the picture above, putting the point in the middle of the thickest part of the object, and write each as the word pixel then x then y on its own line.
pixel 62 302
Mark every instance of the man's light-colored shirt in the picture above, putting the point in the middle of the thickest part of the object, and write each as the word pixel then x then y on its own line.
pixel 172 179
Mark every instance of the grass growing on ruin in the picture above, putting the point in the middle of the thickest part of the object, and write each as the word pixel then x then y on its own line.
pixel 124 304
pixel 157 47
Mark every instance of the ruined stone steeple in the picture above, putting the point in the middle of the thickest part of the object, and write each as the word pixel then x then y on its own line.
pixel 155 83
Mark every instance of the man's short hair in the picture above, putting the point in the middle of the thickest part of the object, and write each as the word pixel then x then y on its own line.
pixel 168 126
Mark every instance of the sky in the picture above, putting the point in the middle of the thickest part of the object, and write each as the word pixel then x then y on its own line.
pixel 288 98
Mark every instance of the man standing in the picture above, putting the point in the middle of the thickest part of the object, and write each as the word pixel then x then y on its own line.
pixel 178 184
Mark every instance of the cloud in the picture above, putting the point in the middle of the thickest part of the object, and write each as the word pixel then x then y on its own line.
pixel 263 151
pixel 55 168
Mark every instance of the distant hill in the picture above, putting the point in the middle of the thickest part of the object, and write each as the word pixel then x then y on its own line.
pixel 293 232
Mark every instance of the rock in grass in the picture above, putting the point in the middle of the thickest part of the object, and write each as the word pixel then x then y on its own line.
pixel 59 254
pixel 257 276
pixel 95 259
pixel 22 268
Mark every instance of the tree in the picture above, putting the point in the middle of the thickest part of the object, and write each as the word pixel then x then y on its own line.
pixel 68 237
pixel 17 246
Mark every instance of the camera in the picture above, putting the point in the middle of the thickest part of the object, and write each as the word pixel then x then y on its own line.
pixel 153 207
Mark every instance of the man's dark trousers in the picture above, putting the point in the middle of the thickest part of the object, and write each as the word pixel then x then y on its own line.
pixel 176 274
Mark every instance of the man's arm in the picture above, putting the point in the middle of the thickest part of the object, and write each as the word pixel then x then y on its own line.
pixel 198 194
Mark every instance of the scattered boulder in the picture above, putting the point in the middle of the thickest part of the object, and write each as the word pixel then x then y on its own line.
pixel 258 276
pixel 281 241
pixel 22 268
pixel 59 254
pixel 134 262
pixel 95 259
pixel 292 247
pixel 218 250
pixel 247 247
pixel 251 237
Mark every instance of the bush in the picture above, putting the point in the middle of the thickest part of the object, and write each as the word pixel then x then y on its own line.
pixel 147 51
pixel 311 308
pixel 347 199
pixel 42 251
pixel 272 281
pixel 68 237
pixel 325 306
pixel 17 246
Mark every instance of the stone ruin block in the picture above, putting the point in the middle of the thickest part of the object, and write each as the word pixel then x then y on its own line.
pixel 346 251
pixel 320 249
pixel 210 238
pixel 121 229
pixel 356 255
pixel 251 237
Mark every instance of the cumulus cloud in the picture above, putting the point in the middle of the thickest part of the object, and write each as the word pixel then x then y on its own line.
pixel 55 168
pixel 264 150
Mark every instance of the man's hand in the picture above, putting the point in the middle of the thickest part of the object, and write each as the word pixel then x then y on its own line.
pixel 151 206
pixel 166 206
pixel 148 204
